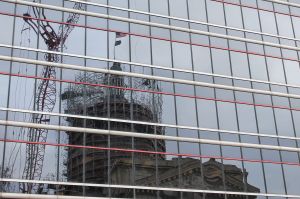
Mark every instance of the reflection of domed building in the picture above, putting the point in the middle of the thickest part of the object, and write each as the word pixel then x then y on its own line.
pixel 113 103
pixel 118 103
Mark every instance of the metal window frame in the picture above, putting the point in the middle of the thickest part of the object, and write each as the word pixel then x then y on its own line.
pixel 141 188
pixel 158 25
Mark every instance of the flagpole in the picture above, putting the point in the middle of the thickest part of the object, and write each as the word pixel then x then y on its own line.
pixel 115 46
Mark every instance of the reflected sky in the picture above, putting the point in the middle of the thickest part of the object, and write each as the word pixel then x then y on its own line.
pixel 59 162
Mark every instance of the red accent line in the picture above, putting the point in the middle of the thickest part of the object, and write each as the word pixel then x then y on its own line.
pixel 147 152
pixel 256 8
pixel 152 37
pixel 148 91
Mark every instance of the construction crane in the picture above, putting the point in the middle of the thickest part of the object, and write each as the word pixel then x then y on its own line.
pixel 45 97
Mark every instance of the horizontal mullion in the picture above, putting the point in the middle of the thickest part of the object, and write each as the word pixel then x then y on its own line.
pixel 145 188
pixel 146 123
pixel 182 19
pixel 158 25
pixel 158 38
pixel 151 66
pixel 144 135
pixel 41 196
pixel 284 3
pixel 148 91
pixel 97 148
pixel 256 8
pixel 138 75
pixel 147 65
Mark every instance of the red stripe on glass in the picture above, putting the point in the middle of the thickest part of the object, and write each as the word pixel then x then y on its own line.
pixel 156 38
pixel 148 152
pixel 256 8
pixel 149 91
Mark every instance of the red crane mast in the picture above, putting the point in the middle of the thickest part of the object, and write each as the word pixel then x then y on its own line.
pixel 45 97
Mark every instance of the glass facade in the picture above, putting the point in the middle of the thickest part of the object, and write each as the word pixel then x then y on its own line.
pixel 150 99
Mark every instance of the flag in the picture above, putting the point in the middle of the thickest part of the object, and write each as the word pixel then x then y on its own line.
pixel 120 34
pixel 117 42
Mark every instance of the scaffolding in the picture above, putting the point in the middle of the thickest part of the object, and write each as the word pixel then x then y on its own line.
pixel 106 95
pixel 79 95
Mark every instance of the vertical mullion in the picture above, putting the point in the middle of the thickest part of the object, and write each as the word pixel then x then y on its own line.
pixel 8 94
pixel 212 71
pixel 216 105
pixel 290 103
pixel 195 93
pixel 153 102
pixel 108 106
pixel 84 108
pixel 285 79
pixel 131 104
pixel 175 104
pixel 253 99
pixel 60 104
pixel 270 88
pixel 234 96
